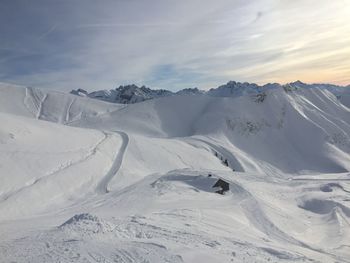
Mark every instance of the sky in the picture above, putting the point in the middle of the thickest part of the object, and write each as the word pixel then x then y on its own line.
pixel 173 44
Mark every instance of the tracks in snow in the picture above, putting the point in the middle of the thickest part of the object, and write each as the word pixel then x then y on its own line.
pixel 102 187
pixel 65 118
pixel 103 184
pixel 34 101
pixel 232 160
pixel 60 168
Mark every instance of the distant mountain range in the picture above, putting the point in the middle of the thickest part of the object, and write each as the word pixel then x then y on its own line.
pixel 129 94
pixel 132 94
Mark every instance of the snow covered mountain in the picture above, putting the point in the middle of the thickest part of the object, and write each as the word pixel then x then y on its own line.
pixel 84 180
pixel 124 94
pixel 133 94
pixel 234 89
pixel 190 91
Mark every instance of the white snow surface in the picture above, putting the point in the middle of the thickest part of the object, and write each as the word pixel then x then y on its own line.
pixel 82 180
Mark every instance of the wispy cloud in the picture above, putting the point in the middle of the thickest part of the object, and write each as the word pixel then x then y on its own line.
pixel 173 44
pixel 49 31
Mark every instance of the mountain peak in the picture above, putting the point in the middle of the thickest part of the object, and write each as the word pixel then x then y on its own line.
pixel 190 91
pixel 298 82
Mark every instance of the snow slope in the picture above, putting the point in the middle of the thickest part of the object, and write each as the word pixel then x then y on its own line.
pixel 129 183
pixel 50 105
pixel 306 130
pixel 45 165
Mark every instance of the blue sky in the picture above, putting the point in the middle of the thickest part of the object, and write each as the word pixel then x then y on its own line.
pixel 90 44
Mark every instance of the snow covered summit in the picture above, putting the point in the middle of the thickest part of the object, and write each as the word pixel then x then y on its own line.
pixel 124 94
pixel 133 94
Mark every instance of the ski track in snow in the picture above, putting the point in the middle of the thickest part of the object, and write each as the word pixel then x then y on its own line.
pixel 61 168
pixel 103 185
pixel 32 102
pixel 67 111
pixel 41 106
pixel 260 220
pixel 224 153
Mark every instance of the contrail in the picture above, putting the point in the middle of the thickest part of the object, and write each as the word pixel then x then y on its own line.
pixel 53 28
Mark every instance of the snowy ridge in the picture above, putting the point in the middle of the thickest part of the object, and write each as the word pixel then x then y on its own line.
pixel 133 94
pixel 88 181
pixel 124 94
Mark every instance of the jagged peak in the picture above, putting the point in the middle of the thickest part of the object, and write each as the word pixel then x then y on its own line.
pixel 190 91
pixel 298 82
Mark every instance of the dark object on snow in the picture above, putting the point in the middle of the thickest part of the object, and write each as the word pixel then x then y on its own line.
pixel 209 175
pixel 225 162
pixel 225 186
pixel 260 97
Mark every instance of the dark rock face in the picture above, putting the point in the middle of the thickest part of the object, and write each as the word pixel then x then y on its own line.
pixel 225 186
pixel 125 94
pixel 133 94
pixel 233 88
pixel 79 92
pixel 190 91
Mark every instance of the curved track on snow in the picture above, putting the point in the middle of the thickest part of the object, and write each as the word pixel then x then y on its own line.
pixel 102 187
pixel 62 167
pixel 223 152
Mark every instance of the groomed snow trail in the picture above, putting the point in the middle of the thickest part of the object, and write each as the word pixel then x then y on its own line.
pixel 102 187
